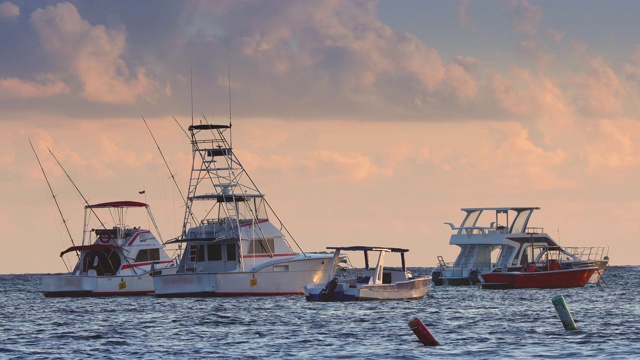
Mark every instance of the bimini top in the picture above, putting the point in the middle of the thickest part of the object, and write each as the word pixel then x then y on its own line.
pixel 367 248
pixel 208 127
pixel 117 204
pixel 97 247
pixel 502 209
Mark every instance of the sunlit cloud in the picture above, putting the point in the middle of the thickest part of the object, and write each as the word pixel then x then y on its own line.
pixel 9 10
pixel 612 146
pixel 93 55
pixel 523 93
pixel 601 91
pixel 48 85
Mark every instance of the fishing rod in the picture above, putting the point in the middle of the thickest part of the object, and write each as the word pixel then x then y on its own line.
pixel 90 207
pixel 78 190
pixel 55 199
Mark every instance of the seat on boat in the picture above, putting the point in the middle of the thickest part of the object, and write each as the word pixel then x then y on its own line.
pixel 363 279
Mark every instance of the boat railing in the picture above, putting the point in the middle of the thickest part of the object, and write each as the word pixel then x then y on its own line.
pixel 534 230
pixel 589 253
pixel 476 230
pixel 456 271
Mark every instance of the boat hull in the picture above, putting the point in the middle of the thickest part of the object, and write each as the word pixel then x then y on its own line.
pixel 280 278
pixel 543 279
pixel 405 290
pixel 89 286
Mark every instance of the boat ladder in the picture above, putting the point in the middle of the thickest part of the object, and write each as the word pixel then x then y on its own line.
pixel 441 262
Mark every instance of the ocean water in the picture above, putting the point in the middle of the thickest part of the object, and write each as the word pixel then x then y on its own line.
pixel 469 322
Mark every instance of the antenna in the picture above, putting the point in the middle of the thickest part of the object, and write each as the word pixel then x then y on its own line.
pixel 55 199
pixel 191 75
pixel 229 90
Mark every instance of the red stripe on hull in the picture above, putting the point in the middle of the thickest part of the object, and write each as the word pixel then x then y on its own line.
pixel 227 294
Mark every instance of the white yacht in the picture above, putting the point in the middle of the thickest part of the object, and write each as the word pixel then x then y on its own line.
pixel 235 245
pixel 502 239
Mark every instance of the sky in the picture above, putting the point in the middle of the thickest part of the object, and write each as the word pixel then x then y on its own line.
pixel 363 122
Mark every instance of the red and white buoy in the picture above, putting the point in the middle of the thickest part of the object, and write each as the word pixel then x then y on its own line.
pixel 422 332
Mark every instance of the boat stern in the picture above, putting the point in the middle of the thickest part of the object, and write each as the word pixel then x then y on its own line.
pixel 68 285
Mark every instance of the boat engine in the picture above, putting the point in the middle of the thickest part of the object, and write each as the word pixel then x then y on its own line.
pixel 327 293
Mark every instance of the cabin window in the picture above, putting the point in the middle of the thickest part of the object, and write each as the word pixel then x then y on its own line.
pixel 520 223
pixel 262 246
pixel 196 252
pixel 214 252
pixel 231 252
pixel 148 255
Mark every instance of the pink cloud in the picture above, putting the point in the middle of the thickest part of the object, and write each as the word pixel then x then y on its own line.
pixel 601 91
pixel 93 54
pixel 612 146
pixel 14 88
pixel 9 10
pixel 524 93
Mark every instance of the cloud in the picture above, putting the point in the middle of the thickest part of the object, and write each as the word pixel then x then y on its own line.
pixel 632 66
pixel 523 93
pixel 463 17
pixel 352 165
pixel 9 10
pixel 13 88
pixel 526 17
pixel 612 146
pixel 339 53
pixel 93 55
pixel 601 91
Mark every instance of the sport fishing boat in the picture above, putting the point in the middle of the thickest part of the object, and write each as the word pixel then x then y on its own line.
pixel 545 274
pixel 234 249
pixel 372 283
pixel 503 240
pixel 118 261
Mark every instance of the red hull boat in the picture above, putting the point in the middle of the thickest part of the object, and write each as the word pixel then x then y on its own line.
pixel 538 278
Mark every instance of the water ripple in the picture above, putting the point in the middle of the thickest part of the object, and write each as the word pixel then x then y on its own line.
pixel 469 323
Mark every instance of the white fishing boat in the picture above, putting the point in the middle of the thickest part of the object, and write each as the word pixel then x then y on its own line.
pixel 370 283
pixel 117 260
pixel 234 249
pixel 502 240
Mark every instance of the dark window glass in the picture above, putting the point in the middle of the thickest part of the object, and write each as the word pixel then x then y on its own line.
pixel 214 252
pixel 231 252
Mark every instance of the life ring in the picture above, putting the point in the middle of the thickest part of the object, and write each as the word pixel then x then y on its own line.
pixel 105 239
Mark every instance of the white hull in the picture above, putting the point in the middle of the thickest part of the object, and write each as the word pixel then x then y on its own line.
pixel 87 285
pixel 350 291
pixel 285 277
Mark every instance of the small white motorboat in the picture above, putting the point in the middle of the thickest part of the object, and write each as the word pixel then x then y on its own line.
pixel 119 261
pixel 372 283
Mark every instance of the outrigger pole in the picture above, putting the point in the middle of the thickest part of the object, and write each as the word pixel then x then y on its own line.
pixel 89 206
pixel 172 175
pixel 55 199
pixel 78 190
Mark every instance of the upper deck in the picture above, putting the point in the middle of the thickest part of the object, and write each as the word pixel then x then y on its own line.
pixel 491 225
